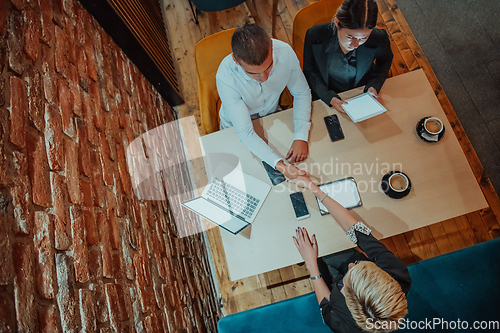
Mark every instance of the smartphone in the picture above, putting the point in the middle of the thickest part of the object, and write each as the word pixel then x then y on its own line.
pixel 333 127
pixel 275 176
pixel 299 206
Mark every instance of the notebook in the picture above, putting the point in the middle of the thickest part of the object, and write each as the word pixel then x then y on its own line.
pixel 231 200
pixel 362 107
pixel 344 191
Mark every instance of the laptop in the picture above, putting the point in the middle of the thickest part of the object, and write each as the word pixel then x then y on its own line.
pixel 231 200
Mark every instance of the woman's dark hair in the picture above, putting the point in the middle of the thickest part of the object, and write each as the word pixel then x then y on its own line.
pixel 250 44
pixel 357 14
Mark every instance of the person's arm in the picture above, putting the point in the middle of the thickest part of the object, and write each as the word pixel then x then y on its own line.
pixel 239 117
pixel 308 249
pixel 298 87
pixel 383 61
pixel 311 69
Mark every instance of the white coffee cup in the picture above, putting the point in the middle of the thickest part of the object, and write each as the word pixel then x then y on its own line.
pixel 433 126
pixel 398 182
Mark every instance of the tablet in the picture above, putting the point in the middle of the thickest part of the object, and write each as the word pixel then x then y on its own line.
pixel 344 191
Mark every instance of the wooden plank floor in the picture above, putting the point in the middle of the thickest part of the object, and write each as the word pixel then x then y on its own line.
pixel 412 246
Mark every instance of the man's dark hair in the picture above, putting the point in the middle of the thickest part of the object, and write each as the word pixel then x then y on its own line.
pixel 357 14
pixel 250 44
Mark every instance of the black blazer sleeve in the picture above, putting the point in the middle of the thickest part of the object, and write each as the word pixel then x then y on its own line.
pixel 377 75
pixel 317 36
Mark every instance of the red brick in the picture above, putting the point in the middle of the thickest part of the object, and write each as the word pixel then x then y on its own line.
pixel 49 76
pixel 54 142
pixel 89 50
pixel 48 318
pixel 70 31
pixel 59 195
pixel 110 137
pixel 123 300
pixel 80 251
pixel 102 223
pixel 65 107
pixel 46 21
pixel 113 307
pixel 97 181
pixel 19 4
pixel 91 227
pixel 59 13
pixel 117 265
pixel 87 311
pixel 140 282
pixel 127 259
pixel 83 151
pixel 74 89
pixel 68 8
pixel 65 295
pixel 7 315
pixel 114 237
pixel 15 43
pixel 81 61
pixel 71 169
pixel 132 234
pixel 88 116
pixel 4 176
pixel 37 165
pixel 20 194
pixel 44 249
pixel 79 23
pixel 2 79
pixel 98 113
pixel 61 50
pixel 3 20
pixel 31 34
pixel 106 166
pixel 17 112
pixel 35 106
pixel 24 287
pixel 5 253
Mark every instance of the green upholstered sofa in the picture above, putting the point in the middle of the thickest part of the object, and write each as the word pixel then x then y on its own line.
pixel 462 285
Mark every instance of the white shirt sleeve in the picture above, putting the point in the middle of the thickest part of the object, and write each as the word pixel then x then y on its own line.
pixel 236 112
pixel 297 84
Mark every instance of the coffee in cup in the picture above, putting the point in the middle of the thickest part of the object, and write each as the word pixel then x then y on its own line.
pixel 398 182
pixel 433 126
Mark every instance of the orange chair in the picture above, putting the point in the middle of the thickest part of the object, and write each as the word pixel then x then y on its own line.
pixel 208 54
pixel 316 13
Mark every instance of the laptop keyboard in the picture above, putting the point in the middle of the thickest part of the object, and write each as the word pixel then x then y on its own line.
pixel 232 198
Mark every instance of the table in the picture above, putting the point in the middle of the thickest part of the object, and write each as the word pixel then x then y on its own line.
pixel 443 185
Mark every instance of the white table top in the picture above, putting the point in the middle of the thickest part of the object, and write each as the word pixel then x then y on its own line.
pixel 443 185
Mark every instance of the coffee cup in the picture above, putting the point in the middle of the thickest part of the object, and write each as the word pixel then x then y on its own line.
pixel 433 126
pixel 398 182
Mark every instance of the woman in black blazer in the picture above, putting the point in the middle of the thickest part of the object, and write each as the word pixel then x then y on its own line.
pixel 347 53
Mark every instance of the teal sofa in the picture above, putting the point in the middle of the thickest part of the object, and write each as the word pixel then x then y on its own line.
pixel 462 285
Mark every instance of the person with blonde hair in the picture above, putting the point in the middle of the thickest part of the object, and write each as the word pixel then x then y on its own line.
pixel 356 293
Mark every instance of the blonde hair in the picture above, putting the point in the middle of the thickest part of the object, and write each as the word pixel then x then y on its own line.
pixel 373 296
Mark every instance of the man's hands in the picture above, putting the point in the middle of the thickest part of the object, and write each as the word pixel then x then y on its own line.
pixel 298 151
pixel 337 104
pixel 372 92
pixel 290 171
pixel 308 248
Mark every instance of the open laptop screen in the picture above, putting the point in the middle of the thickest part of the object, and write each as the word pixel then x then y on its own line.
pixel 216 215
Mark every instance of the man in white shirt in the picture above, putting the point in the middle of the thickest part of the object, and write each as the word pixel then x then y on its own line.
pixel 250 82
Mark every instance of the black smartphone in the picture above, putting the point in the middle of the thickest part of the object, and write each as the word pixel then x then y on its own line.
pixel 275 175
pixel 333 127
pixel 299 205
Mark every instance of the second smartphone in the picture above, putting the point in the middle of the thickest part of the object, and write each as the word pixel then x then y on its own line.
pixel 299 206
pixel 333 126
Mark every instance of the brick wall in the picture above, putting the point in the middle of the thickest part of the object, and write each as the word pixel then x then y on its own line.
pixel 78 250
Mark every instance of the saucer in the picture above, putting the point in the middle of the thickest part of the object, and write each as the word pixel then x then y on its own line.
pixel 390 192
pixel 420 127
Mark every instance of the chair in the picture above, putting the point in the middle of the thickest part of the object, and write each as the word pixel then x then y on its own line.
pixel 208 54
pixel 212 6
pixel 316 13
